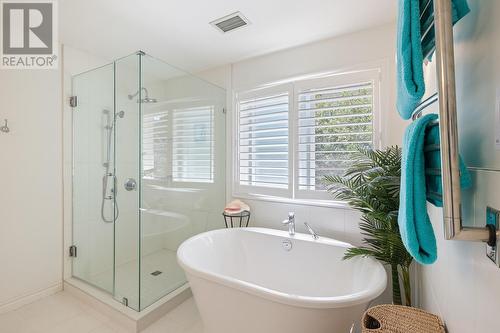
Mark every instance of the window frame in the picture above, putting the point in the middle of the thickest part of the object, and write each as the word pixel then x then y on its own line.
pixel 294 88
pixel 260 190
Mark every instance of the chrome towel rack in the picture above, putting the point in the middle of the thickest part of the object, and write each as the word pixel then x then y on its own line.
pixel 448 129
pixel 427 31
pixel 423 105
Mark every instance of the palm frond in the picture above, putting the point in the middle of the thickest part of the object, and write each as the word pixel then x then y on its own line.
pixel 371 185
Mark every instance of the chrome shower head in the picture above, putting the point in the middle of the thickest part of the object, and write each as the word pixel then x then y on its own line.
pixel 146 98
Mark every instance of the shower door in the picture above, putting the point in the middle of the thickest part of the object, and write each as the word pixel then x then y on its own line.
pixel 93 213
pixel 106 179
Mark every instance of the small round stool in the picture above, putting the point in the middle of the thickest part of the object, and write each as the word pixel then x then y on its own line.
pixel 400 319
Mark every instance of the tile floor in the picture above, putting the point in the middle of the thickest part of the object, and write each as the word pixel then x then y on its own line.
pixel 63 313
pixel 152 287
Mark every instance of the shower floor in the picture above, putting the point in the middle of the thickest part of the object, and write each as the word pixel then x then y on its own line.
pixel 153 286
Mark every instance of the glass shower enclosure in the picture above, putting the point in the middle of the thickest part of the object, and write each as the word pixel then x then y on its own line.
pixel 148 173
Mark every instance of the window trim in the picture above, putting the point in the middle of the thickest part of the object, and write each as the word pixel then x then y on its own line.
pixel 259 190
pixel 294 86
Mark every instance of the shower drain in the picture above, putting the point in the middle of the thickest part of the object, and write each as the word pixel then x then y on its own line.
pixel 156 273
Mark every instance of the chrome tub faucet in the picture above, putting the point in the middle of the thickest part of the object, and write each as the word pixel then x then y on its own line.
pixel 291 223
pixel 311 231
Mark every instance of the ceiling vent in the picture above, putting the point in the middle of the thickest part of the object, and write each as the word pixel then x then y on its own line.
pixel 230 22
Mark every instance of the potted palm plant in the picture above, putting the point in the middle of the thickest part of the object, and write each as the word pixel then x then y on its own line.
pixel 371 185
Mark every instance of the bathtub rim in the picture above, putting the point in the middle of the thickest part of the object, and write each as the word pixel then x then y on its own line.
pixel 328 302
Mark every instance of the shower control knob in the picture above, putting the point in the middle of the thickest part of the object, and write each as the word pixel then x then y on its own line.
pixel 130 184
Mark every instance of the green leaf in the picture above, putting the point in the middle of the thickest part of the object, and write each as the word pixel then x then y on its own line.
pixel 372 185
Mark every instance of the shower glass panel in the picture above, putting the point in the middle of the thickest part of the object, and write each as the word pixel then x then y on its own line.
pixel 127 168
pixel 149 168
pixel 183 163
pixel 93 227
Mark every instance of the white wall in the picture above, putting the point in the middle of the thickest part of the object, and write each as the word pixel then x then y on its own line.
pixel 31 176
pixel 463 285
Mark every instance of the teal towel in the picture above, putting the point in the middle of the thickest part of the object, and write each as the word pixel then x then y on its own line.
pixel 409 55
pixel 409 58
pixel 420 156
pixel 414 223
pixel 434 185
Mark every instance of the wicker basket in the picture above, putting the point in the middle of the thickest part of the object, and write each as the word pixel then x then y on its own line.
pixel 400 319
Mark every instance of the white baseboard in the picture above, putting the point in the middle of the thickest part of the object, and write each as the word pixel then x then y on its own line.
pixel 30 298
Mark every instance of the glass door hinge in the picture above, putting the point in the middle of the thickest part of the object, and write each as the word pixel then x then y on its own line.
pixel 73 101
pixel 72 251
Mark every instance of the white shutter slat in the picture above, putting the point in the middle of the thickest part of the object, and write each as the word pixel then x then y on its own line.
pixel 336 101
pixel 193 144
pixel 332 123
pixel 263 147
pixel 358 108
pixel 155 144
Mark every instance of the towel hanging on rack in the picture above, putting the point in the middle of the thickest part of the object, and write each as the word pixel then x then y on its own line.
pixel 414 224
pixel 416 35
pixel 434 186
pixel 421 182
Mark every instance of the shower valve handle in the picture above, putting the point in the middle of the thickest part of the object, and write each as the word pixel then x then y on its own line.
pixel 130 184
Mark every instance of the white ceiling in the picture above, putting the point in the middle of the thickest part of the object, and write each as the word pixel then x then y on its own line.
pixel 178 31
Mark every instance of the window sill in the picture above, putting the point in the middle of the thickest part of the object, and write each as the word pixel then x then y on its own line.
pixel 301 202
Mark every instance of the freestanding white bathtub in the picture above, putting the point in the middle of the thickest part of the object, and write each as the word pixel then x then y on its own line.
pixel 247 280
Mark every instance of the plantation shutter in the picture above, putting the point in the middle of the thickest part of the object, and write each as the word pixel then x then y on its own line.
pixel 288 137
pixel 193 144
pixel 155 148
pixel 263 142
pixel 333 121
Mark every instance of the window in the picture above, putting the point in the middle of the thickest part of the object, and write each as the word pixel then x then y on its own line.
pixel 290 136
pixel 155 147
pixel 332 123
pixel 193 144
pixel 263 141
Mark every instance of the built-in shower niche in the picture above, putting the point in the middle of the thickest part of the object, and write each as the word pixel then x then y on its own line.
pixel 148 173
